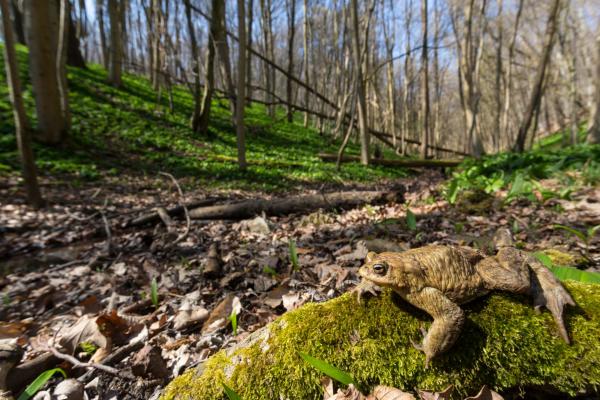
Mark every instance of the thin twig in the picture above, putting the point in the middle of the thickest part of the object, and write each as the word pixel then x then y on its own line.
pixel 182 203
pixel 78 364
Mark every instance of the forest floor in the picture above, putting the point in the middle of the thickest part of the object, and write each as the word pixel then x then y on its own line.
pixel 80 277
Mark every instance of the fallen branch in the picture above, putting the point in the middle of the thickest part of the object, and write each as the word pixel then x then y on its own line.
pixel 395 163
pixel 78 364
pixel 173 211
pixel 188 221
pixel 296 204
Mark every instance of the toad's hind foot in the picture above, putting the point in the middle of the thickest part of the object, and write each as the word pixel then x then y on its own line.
pixel 548 292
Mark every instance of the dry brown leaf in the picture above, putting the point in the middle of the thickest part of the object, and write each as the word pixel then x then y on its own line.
pixel 486 394
pixel 219 316
pixel 10 330
pixel 351 393
pixel 443 395
pixel 85 330
pixel 189 315
pixel 389 393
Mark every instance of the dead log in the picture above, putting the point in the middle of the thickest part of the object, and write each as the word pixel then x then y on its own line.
pixel 395 163
pixel 172 212
pixel 297 204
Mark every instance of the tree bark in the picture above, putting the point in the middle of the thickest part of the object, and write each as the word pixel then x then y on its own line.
pixel 102 32
pixel 306 59
pixel 537 92
pixel 250 25
pixel 195 67
pixel 42 31
pixel 296 204
pixel 116 43
pixel 61 60
pixel 74 56
pixel 291 6
pixel 593 135
pixel 424 83
pixel 34 197
pixel 241 86
pixel 360 86
pixel 17 21
pixel 504 128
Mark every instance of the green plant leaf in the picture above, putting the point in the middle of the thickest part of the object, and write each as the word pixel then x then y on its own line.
pixel 570 273
pixel 572 231
pixel 231 394
pixel 39 383
pixel 591 232
pixel 293 255
pixel 154 292
pixel 329 370
pixel 233 319
pixel 411 220
pixel 544 259
pixel 452 192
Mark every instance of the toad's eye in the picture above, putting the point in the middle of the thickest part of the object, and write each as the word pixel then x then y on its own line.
pixel 379 269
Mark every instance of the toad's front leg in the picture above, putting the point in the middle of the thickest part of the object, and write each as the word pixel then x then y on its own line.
pixel 366 287
pixel 448 319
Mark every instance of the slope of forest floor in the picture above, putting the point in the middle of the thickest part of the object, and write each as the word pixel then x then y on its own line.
pixel 77 276
pixel 133 130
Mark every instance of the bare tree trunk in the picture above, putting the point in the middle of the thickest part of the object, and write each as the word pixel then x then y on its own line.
pixel 17 20
pixel 306 59
pixel 217 15
pixel 424 83
pixel 537 92
pixel 102 32
pixel 61 61
pixel 74 56
pixel 249 89
pixel 195 66
pixel 498 80
pixel 291 7
pixel 508 77
pixel 34 197
pixel 241 86
pixel 269 73
pixel 116 43
pixel 360 85
pixel 573 85
pixel 225 63
pixel 593 135
pixel 391 83
pixel 42 36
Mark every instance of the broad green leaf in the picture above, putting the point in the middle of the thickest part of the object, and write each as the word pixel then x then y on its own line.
pixel 452 192
pixel 39 383
pixel 411 220
pixel 231 394
pixel 566 273
pixel 329 370
pixel 233 319
pixel 517 186
pixel 154 292
pixel 543 258
pixel 572 231
pixel 293 255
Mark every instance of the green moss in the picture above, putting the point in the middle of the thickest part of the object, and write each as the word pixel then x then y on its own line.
pixel 504 344
pixel 559 257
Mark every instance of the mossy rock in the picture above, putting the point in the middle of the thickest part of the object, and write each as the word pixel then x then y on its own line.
pixel 504 344
pixel 559 257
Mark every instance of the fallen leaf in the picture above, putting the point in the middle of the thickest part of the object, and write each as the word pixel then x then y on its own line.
pixel 69 389
pixel 389 393
pixel 351 393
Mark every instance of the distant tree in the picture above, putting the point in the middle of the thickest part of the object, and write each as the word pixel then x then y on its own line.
pixel 195 66
pixel 360 85
pixel 21 125
pixel 535 97
pixel 115 65
pixel 42 36
pixel 291 17
pixel 102 32
pixel 594 131
pixel 241 86
pixel 424 83
pixel 74 56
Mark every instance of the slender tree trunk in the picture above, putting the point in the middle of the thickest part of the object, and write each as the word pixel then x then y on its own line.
pixel 42 36
pixel 102 32
pixel 593 134
pixel 34 197
pixel 250 24
pixel 17 21
pixel 306 60
pixel 360 85
pixel 498 80
pixel 290 65
pixel 61 61
pixel 74 56
pixel 225 63
pixel 508 77
pixel 195 66
pixel 116 43
pixel 269 74
pixel 537 92
pixel 424 83
pixel 241 86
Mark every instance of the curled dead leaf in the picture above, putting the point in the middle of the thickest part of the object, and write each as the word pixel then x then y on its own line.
pixel 443 395
pixel 389 393
pixel 486 394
